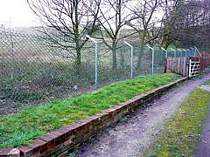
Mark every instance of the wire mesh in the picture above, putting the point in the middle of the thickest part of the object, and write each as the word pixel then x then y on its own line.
pixel 159 60
pixel 142 61
pixel 32 70
pixel 114 64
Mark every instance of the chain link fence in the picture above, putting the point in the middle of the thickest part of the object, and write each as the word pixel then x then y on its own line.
pixel 32 71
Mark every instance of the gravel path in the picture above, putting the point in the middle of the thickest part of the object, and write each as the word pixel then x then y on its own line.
pixel 204 146
pixel 135 132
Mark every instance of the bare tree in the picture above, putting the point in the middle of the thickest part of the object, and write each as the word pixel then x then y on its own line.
pixel 146 22
pixel 113 16
pixel 66 22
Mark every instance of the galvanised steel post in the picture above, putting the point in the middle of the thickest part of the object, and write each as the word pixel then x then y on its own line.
pixel 197 51
pixel 173 51
pixel 166 52
pixel 185 53
pixel 131 58
pixel 188 52
pixel 194 52
pixel 153 56
pixel 96 59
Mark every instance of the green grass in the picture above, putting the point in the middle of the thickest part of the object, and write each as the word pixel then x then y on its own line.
pixel 182 132
pixel 207 82
pixel 32 122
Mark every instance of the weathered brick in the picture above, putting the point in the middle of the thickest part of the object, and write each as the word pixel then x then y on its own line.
pixel 13 152
pixel 26 151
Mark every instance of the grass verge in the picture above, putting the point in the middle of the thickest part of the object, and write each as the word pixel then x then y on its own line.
pixel 182 131
pixel 32 122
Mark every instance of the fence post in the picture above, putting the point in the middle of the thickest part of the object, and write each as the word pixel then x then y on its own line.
pixel 194 52
pixel 166 52
pixel 174 52
pixel 96 59
pixel 190 68
pixel 153 53
pixel 197 51
pixel 131 59
pixel 186 54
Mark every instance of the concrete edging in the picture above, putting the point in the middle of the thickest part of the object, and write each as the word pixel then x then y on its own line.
pixel 58 142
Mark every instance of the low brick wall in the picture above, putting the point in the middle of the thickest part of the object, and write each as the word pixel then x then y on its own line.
pixel 59 142
pixel 13 152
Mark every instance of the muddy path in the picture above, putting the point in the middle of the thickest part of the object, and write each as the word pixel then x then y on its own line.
pixel 136 132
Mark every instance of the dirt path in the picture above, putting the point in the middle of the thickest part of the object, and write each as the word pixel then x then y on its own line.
pixel 136 131
pixel 204 145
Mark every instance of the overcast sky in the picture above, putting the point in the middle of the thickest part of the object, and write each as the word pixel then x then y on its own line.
pixel 18 12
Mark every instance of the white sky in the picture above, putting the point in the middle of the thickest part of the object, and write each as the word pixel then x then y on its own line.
pixel 16 13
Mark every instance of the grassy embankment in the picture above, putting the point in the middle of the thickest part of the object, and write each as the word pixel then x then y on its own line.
pixel 32 122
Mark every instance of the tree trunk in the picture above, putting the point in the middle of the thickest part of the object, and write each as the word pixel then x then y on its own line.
pixel 78 62
pixel 114 55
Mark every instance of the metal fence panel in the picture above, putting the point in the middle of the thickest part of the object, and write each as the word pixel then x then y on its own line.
pixel 33 70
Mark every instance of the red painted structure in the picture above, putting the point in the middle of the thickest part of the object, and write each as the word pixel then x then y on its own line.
pixel 181 65
pixel 204 60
